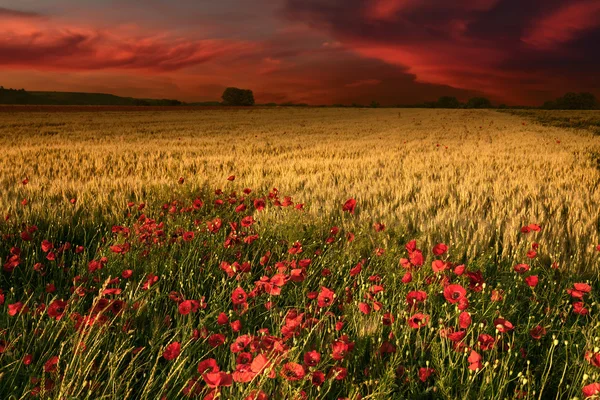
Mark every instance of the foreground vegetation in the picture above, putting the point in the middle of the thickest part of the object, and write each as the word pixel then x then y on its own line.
pixel 419 254
pixel 202 298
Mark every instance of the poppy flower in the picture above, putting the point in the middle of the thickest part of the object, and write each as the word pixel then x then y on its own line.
pixel 416 258
pixel 579 290
pixel 340 349
pixel 418 320
pixel 532 281
pixel 364 308
pixel 454 293
pixel 592 358
pixel 15 308
pixel 521 268
pixel 503 325
pixel 578 308
pixel 349 206
pixel 407 278
pixel 312 358
pixel 439 266
pixel 185 307
pixel 486 342
pixel 474 361
pixel 388 319
pixel 208 365
pixel 239 296
pixel 172 351
pixel 537 332
pixel 425 373
pixel 590 390
pixel 379 227
pixel 464 320
pixel 50 365
pixel 325 297
pixel 231 178
pixel 57 309
pixel 217 379
pixel 292 371
pixel 338 373
pixel 317 378
pixel 440 249
pixel 414 297
pixel 216 340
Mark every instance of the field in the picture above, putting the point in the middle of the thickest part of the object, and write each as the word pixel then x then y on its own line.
pixel 298 253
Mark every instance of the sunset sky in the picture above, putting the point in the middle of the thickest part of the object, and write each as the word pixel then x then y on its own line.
pixel 314 51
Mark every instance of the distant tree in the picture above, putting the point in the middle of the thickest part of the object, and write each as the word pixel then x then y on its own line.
pixel 479 102
pixel 271 104
pixel 502 106
pixel 573 101
pixel 374 104
pixel 238 97
pixel 448 102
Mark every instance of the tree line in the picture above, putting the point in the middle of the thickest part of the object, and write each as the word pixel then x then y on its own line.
pixel 233 96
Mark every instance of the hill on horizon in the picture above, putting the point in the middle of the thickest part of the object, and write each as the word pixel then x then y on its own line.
pixel 23 97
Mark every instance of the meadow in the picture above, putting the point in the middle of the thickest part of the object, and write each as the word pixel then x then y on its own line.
pixel 300 253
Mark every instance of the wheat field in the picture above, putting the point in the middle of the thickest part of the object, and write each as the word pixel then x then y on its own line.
pixel 470 178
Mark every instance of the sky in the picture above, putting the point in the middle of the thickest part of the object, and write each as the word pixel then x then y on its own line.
pixel 311 51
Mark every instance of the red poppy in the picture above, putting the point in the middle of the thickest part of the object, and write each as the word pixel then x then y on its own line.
pixel 364 308
pixel 474 361
pixel 425 373
pixel 340 349
pixel 216 340
pixel 503 325
pixel 185 307
pixel 464 320
pixel 578 308
pixel 312 358
pixel 172 351
pixel 209 365
pixel 590 390
pixel 537 332
pixel 521 268
pixel 454 293
pixel 379 227
pixel 486 342
pixel 318 378
pixel 325 297
pixel 418 320
pixel 592 358
pixel 239 296
pixel 57 309
pixel 293 371
pixel 217 379
pixel 15 308
pixel 47 246
pixel 231 178
pixel 349 206
pixel 440 249
pixel 579 290
pixel 532 281
pixel 338 373
pixel 50 365
pixel 257 395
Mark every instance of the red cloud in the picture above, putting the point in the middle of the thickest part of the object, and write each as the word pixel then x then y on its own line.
pixel 564 24
pixel 48 47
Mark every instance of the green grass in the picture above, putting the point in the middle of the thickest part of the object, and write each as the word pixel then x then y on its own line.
pixel 104 353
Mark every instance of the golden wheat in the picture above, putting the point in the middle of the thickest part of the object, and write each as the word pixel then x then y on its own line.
pixel 468 178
